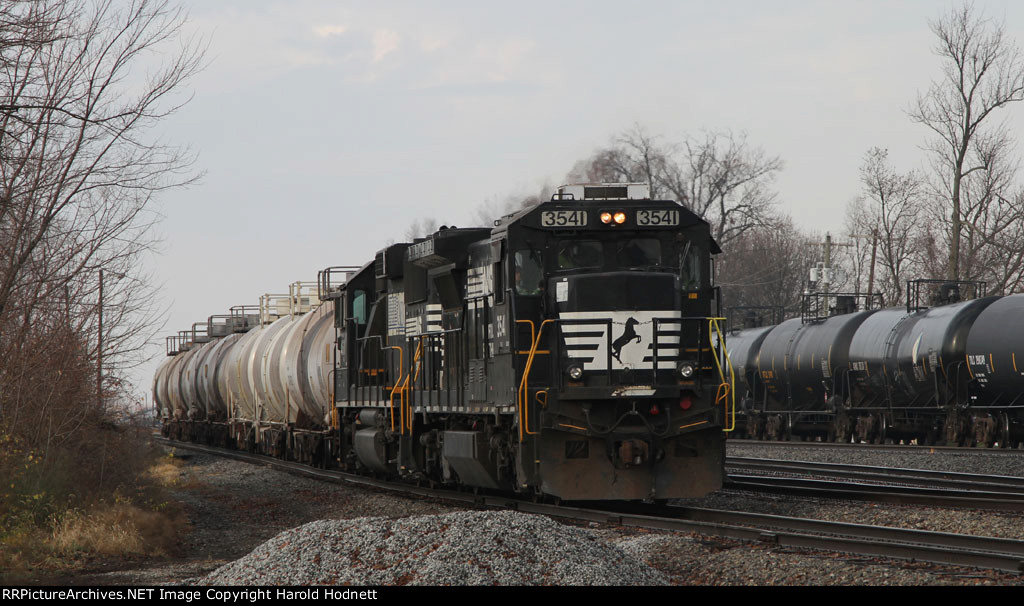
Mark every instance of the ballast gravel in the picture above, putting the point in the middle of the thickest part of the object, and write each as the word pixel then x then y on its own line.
pixel 463 548
pixel 241 514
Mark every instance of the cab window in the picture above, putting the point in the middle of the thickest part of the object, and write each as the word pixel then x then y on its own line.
pixel 359 307
pixel 689 268
pixel 638 252
pixel 580 254
pixel 529 272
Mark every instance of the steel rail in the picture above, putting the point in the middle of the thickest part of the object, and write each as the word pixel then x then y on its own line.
pixel 991 553
pixel 1014 452
pixel 897 495
pixel 950 479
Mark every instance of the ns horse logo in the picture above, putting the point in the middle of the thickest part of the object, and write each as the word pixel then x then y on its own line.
pixel 627 336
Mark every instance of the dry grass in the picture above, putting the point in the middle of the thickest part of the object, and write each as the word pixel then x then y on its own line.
pixel 121 530
pixel 166 472
pixel 145 526
pixel 171 472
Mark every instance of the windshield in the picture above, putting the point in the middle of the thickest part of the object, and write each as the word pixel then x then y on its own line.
pixel 638 252
pixel 624 254
pixel 580 254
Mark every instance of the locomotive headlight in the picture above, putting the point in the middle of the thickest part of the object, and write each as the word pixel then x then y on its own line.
pixel 575 372
pixel 686 370
pixel 619 218
pixel 606 218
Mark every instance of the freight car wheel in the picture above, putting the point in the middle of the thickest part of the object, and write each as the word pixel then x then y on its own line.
pixel 1004 430
pixel 882 426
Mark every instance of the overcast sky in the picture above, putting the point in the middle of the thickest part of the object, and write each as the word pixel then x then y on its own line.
pixel 325 128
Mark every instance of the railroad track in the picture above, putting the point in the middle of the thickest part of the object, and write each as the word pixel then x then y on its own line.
pixel 990 553
pixel 868 473
pixel 884 485
pixel 1011 452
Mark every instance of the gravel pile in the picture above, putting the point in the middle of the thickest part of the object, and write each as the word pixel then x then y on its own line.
pixel 464 548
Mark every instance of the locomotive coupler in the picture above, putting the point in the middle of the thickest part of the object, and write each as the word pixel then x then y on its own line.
pixel 634 452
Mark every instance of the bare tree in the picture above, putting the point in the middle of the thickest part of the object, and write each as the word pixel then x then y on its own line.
pixel 992 245
pixel 726 181
pixel 747 280
pixel 888 215
pixel 79 168
pixel 982 71
pixel 496 207
pixel 424 226
pixel 719 176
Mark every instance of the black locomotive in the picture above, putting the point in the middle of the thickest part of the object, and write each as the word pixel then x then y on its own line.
pixel 942 369
pixel 571 350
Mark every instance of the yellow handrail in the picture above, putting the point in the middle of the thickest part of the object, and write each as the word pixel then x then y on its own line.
pixel 411 379
pixel 727 388
pixel 522 396
pixel 396 387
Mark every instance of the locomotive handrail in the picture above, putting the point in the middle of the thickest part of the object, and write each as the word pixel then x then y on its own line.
pixel 730 385
pixel 397 387
pixel 410 381
pixel 523 397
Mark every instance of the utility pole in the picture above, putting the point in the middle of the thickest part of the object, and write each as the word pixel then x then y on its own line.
pixel 99 351
pixel 827 274
pixel 823 274
pixel 871 272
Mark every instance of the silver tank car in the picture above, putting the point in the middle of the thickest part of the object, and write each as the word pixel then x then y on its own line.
pixel 302 363
pixel 160 399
